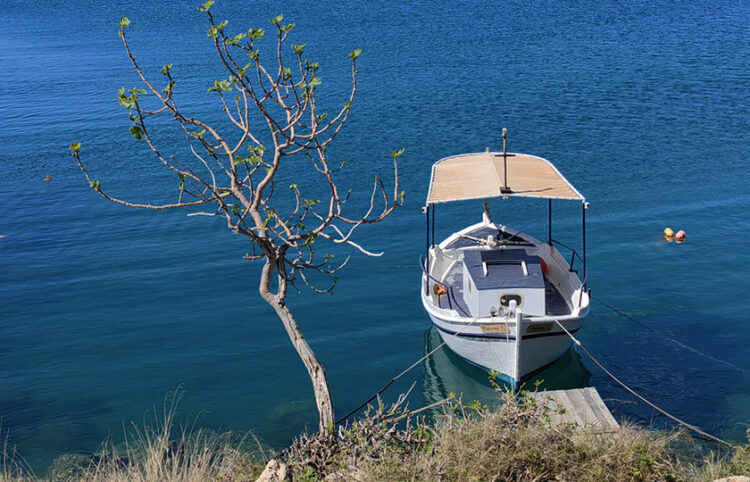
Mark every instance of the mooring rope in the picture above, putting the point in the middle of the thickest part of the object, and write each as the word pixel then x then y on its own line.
pixel 577 343
pixel 387 385
pixel 667 337
pixel 640 397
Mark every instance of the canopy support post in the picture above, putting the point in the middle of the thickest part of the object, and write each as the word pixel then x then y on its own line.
pixel 550 222
pixel 427 237
pixel 433 224
pixel 584 206
pixel 505 189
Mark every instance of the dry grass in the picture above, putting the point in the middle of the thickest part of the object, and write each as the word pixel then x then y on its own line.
pixel 158 451
pixel 13 467
pixel 466 442
pixel 513 442
pixel 153 452
pixel 735 463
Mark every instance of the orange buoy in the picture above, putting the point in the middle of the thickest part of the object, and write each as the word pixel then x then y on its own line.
pixel 439 289
pixel 543 264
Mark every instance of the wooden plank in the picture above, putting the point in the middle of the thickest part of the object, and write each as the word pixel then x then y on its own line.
pixel 605 416
pixel 583 407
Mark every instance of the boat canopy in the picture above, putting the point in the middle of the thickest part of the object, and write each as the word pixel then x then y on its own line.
pixel 482 175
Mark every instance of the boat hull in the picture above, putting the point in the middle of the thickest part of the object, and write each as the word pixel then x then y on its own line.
pixel 465 289
pixel 493 345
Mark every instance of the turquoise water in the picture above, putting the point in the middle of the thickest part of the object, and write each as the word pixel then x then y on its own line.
pixel 645 107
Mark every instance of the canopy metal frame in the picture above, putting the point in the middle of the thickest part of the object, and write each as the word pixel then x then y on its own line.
pixel 430 209
pixel 536 178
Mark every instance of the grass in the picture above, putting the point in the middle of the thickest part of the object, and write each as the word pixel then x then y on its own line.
pixel 513 442
pixel 156 450
pixel 465 442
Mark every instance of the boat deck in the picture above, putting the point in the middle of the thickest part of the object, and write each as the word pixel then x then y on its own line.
pixel 482 233
pixel 555 304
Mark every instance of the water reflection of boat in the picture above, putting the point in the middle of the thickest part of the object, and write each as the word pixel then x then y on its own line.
pixel 445 372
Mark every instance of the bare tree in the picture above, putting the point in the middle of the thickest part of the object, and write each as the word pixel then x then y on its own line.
pixel 236 174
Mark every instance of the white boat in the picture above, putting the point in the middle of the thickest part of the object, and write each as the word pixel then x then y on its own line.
pixel 500 297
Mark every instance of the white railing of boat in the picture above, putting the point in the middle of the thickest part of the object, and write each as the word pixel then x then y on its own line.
pixel 573 255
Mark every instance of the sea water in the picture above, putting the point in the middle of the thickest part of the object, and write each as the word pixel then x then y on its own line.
pixel 644 107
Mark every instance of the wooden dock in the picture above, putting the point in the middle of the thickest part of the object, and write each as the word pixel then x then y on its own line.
pixel 581 406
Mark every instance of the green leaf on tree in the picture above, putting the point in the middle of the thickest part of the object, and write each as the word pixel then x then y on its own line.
pixel 278 18
pixel 355 53
pixel 235 40
pixel 220 85
pixel 165 69
pixel 124 22
pixel 397 153
pixel 169 87
pixel 95 186
pixel 242 71
pixel 310 239
pixel 256 33
pixel 215 30
pixel 136 132
pixel 75 147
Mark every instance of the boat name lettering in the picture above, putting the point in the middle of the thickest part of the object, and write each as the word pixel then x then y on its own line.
pixel 494 328
pixel 539 328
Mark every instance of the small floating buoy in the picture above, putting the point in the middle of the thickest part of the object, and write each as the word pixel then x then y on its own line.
pixel 47 179
pixel 668 232
pixel 680 236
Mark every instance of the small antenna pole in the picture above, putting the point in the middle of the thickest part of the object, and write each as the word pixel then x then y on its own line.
pixel 505 188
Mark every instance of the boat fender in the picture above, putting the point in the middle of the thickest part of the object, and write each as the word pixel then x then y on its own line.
pixel 439 289
pixel 543 264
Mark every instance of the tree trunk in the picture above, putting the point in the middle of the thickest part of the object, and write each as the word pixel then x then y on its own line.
pixel 314 367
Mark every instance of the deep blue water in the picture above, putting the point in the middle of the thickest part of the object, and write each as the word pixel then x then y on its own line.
pixel 644 106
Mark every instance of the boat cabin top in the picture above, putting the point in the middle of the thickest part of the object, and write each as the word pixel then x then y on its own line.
pixel 509 268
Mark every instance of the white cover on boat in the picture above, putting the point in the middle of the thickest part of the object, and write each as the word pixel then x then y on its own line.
pixel 480 176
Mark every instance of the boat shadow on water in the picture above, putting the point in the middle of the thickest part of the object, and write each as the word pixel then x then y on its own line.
pixel 446 373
